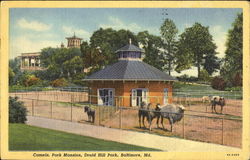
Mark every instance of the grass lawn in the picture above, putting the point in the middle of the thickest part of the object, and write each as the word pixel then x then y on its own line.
pixel 28 138
pixel 199 90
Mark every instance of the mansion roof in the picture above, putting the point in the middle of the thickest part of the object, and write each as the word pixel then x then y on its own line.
pixel 32 54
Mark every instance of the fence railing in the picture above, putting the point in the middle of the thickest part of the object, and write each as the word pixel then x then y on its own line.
pixel 198 123
pixel 38 89
pixel 200 93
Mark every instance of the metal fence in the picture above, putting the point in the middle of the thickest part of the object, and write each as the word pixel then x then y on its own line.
pixel 201 93
pixel 198 123
pixel 39 89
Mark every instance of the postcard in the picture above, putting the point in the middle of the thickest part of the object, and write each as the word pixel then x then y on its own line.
pixel 125 80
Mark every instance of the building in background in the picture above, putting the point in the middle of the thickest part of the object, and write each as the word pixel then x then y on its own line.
pixel 74 42
pixel 130 81
pixel 31 61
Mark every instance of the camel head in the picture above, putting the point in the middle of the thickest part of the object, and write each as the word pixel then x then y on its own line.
pixel 86 108
pixel 158 106
pixel 182 107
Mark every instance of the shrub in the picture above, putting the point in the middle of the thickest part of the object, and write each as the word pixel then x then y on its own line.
pixel 183 78
pixel 218 83
pixel 186 78
pixel 17 111
pixel 32 80
pixel 62 82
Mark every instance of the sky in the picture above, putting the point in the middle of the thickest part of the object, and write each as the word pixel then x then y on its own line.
pixel 32 29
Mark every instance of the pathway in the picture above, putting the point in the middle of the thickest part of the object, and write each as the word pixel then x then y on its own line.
pixel 129 137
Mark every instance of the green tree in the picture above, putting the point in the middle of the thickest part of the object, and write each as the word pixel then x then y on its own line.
pixel 152 45
pixel 15 64
pixel 204 76
pixel 195 47
pixel 232 66
pixel 107 41
pixel 61 62
pixel 11 76
pixel 169 33
pixel 14 71
pixel 212 62
pixel 93 58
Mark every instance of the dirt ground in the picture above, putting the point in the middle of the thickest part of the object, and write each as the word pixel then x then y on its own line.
pixel 199 123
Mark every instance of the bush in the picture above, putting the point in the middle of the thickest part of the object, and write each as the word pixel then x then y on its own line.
pixel 62 82
pixel 183 78
pixel 17 111
pixel 186 78
pixel 32 80
pixel 218 83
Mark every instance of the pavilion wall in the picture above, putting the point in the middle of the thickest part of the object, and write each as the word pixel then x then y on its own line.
pixel 123 91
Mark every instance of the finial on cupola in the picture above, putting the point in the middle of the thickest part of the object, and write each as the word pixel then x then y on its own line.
pixel 130 41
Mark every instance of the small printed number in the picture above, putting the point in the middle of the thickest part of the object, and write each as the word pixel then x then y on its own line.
pixel 233 154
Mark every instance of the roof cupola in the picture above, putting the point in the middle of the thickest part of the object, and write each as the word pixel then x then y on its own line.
pixel 130 52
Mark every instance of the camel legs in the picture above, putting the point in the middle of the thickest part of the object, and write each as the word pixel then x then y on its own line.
pixel 171 123
pixel 212 108
pixel 215 108
pixel 143 118
pixel 157 122
pixel 162 122
pixel 140 121
pixel 150 122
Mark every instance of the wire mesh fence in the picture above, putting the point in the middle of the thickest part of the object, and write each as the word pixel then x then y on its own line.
pixel 198 122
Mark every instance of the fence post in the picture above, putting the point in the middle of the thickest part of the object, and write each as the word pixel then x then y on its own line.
pixel 99 110
pixel 71 112
pixel 108 111
pixel 222 131
pixel 51 110
pixel 32 107
pixel 183 126
pixel 120 118
pixel 90 99
pixel 79 95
